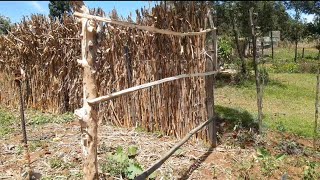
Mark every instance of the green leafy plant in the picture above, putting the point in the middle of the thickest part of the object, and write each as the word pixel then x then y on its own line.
pixel 268 162
pixel 6 120
pixel 123 163
pixel 57 163
pixel 310 172
pixel 225 49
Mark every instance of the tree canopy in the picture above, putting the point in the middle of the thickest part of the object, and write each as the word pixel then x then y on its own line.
pixel 58 8
pixel 4 25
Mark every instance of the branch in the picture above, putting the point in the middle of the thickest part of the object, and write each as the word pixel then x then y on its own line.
pixel 151 169
pixel 146 85
pixel 146 28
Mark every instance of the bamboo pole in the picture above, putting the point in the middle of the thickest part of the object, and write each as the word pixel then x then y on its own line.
pixel 146 28
pixel 88 114
pixel 146 85
pixel 156 165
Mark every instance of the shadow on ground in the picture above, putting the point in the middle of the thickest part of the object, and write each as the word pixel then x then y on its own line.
pixel 196 164
pixel 229 117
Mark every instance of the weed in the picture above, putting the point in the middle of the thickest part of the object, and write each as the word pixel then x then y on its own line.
pixel 309 172
pixel 244 169
pixel 268 162
pixel 34 145
pixel 6 121
pixel 290 147
pixel 43 118
pixel 121 164
pixel 57 163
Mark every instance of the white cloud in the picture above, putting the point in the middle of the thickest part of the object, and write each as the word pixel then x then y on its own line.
pixel 308 17
pixel 37 6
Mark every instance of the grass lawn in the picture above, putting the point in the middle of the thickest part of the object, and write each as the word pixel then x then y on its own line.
pixel 287 54
pixel 288 99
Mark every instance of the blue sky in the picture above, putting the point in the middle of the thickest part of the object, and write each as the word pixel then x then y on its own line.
pixel 15 10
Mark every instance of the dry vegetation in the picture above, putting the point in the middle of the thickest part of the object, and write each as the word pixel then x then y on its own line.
pixel 48 51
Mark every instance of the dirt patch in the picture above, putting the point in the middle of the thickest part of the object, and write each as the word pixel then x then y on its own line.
pixel 56 152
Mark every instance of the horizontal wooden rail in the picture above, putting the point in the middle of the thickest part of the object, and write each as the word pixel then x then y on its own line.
pixel 154 167
pixel 146 85
pixel 146 28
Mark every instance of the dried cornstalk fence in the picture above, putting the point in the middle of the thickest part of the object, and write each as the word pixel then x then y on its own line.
pixel 126 57
pixel 88 113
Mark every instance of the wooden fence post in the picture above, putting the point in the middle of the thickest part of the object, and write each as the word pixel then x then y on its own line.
pixel 20 76
pixel 211 65
pixel 88 113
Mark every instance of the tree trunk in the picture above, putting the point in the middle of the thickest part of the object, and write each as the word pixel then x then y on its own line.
pixel 211 65
pixel 262 48
pixel 257 76
pixel 296 51
pixel 236 37
pixel 271 37
pixel 315 137
pixel 88 113
pixel 302 53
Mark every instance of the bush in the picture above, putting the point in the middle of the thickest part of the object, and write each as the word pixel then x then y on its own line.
pixel 225 49
pixel 285 68
pixel 291 67
pixel 308 67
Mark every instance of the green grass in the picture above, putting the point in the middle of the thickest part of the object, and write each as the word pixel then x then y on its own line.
pixel 10 120
pixel 7 120
pixel 287 54
pixel 288 98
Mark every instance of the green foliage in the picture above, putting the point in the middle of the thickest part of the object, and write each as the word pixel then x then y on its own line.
pixel 4 25
pixel 310 172
pixel 122 163
pixel 58 8
pixel 35 144
pixel 268 162
pixel 58 163
pixel 6 121
pixel 38 118
pixel 289 67
pixel 225 49
pixel 290 147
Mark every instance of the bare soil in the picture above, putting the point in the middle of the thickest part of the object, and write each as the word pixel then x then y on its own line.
pixel 56 154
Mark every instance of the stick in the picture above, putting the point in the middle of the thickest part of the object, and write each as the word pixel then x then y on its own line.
pixel 146 28
pixel 146 85
pixel 154 167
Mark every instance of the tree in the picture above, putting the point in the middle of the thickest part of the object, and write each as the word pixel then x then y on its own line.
pixel 4 25
pixel 58 8
pixel 297 26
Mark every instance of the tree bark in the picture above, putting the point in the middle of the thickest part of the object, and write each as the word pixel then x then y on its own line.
pixel 236 37
pixel 256 72
pixel 272 52
pixel 88 113
pixel 296 51
pixel 315 137
pixel 262 48
pixel 211 65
